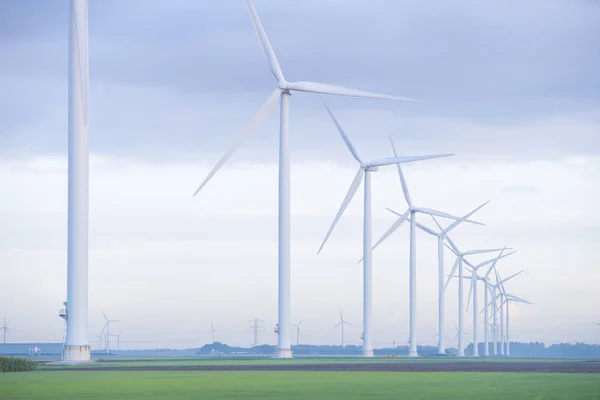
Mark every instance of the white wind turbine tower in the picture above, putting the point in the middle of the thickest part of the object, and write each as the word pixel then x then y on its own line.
pixel 76 347
pixel 410 214
pixel 107 329
pixel 487 288
pixel 213 331
pixel 5 330
pixel 365 168
pixel 505 298
pixel 297 326
pixel 458 264
pixel 473 292
pixel 496 292
pixel 341 324
pixel 441 234
pixel 118 336
pixel 284 90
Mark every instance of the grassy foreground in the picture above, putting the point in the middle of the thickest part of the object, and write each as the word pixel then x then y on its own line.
pixel 296 385
pixel 190 361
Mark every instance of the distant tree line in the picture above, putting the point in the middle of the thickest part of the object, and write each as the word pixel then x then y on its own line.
pixel 530 350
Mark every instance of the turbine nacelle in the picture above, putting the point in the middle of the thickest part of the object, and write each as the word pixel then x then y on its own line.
pixel 368 166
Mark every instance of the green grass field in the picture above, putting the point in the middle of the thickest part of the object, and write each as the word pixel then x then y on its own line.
pixel 296 385
pixel 165 361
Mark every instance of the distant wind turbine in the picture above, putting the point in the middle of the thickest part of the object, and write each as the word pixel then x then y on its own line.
pixel 458 264
pixel 118 336
pixel 283 91
pixel 458 334
pixel 496 293
pixel 212 331
pixel 411 215
pixel 365 168
pixel 473 292
pixel 441 234
pixel 107 329
pixel 5 329
pixel 297 326
pixel 506 298
pixel 487 288
pixel 341 324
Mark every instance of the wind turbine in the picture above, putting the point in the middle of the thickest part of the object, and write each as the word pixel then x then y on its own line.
pixel 76 347
pixel 496 292
pixel 212 331
pixel 487 288
pixel 457 334
pixel 459 264
pixel 365 168
pixel 341 324
pixel 107 328
pixel 473 292
pixel 441 234
pixel 118 336
pixel 505 299
pixel 410 214
pixel 284 90
pixel 5 329
pixel 297 326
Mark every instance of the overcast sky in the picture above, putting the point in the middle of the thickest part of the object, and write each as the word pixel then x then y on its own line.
pixel 511 87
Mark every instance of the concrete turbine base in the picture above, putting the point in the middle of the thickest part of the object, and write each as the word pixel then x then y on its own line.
pixel 413 354
pixel 368 354
pixel 76 354
pixel 284 353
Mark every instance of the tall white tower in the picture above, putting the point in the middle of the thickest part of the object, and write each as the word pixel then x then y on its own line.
pixel 76 346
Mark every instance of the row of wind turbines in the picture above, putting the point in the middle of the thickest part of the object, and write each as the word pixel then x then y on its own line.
pixel 365 169
pixel 77 349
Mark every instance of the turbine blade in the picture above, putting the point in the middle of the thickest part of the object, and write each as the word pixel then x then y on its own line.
pixel 512 276
pixel 343 134
pixel 483 251
pixel 351 191
pixel 426 229
pixel 400 160
pixel 104 316
pixel 464 218
pixel 401 176
pixel 517 299
pixel 437 223
pixel 494 260
pixel 452 246
pixel 454 267
pixel 325 88
pixel 392 229
pixel 265 44
pixel 437 213
pixel 262 114
pixel 338 324
pixel 468 264
pixel 471 292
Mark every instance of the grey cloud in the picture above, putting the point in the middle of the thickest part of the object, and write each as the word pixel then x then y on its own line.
pixel 181 73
